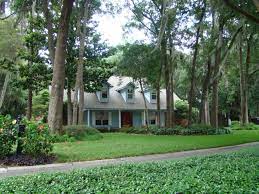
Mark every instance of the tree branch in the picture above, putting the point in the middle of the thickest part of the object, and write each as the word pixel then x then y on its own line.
pixel 241 11
pixel 225 55
pixel 253 72
pixel 145 16
pixel 6 17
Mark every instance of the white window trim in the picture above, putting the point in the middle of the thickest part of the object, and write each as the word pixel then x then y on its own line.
pixel 94 119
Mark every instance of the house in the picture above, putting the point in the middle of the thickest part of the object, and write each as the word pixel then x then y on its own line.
pixel 120 104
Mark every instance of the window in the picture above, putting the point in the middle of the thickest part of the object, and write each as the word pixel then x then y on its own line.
pixel 153 95
pixel 152 118
pixel 130 93
pixel 152 122
pixel 104 93
pixel 101 118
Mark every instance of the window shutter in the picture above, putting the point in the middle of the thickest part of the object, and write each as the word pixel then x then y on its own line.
pixel 93 118
pixel 110 118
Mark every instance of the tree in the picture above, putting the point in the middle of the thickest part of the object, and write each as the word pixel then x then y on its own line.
pixel 34 73
pixel 196 47
pixel 9 46
pixel 138 63
pixel 55 118
pixel 78 103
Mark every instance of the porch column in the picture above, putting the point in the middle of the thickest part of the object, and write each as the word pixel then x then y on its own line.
pixel 119 119
pixel 88 118
pixel 144 119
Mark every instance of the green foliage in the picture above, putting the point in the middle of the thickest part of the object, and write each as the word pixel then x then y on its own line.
pixel 138 62
pixel 235 172
pixel 14 101
pixel 8 133
pixel 195 129
pixel 235 125
pixel 37 139
pixel 182 108
pixel 40 104
pixel 57 138
pixel 10 40
pixel 34 73
pixel 82 132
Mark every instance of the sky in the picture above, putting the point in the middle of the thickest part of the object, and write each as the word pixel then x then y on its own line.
pixel 111 28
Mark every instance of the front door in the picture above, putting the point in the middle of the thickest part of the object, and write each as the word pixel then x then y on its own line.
pixel 126 119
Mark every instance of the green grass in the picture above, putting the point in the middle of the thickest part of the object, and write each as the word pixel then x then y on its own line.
pixel 236 172
pixel 115 145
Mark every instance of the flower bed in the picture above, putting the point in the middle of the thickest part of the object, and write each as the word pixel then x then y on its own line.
pixel 35 143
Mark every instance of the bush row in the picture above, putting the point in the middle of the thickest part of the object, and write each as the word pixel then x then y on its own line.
pixel 235 125
pixel 195 129
pixel 35 141
pixel 73 133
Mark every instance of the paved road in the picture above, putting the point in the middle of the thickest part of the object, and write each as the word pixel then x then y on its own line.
pixel 60 167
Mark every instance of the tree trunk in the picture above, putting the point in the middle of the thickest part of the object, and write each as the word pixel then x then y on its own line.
pixel 158 96
pixel 145 102
pixel 48 17
pixel 168 95
pixel 2 7
pixel 158 106
pixel 29 104
pixel 167 72
pixel 171 64
pixel 75 106
pixel 193 69
pixel 79 87
pixel 7 79
pixel 55 116
pixel 248 60
pixel 172 99
pixel 243 85
pixel 204 109
pixel 69 106
pixel 214 107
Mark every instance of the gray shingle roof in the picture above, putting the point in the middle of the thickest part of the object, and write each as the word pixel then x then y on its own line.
pixel 116 100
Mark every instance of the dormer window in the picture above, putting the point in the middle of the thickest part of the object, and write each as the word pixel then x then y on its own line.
pixel 104 93
pixel 153 96
pixel 130 93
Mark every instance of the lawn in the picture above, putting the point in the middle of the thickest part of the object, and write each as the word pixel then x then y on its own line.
pixel 119 145
pixel 235 172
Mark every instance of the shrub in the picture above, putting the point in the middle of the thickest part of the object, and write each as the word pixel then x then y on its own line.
pixel 195 129
pixel 235 125
pixel 8 132
pixel 37 139
pixel 82 132
pixel 182 108
pixel 56 138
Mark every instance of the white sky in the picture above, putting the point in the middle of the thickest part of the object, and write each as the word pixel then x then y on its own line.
pixel 111 28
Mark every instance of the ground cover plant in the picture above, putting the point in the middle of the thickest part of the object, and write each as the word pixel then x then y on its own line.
pixel 115 145
pixel 235 172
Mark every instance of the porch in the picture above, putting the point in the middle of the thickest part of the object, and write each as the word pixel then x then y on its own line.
pixel 116 119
